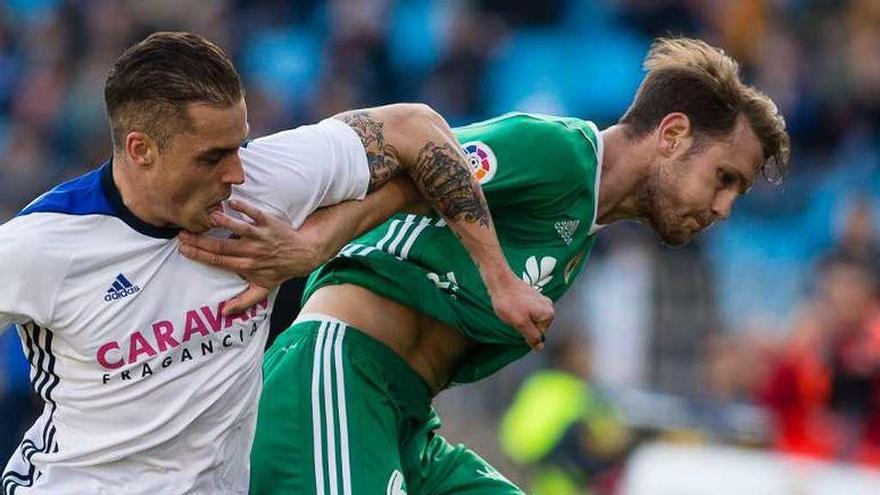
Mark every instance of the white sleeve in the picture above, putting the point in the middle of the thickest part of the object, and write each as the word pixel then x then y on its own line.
pixel 297 171
pixel 30 280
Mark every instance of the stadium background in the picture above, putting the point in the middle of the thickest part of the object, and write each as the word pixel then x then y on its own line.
pixel 732 341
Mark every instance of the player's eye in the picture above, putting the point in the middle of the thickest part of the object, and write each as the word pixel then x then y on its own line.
pixel 725 179
pixel 211 160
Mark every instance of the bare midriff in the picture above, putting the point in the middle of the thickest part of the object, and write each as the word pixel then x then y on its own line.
pixel 433 349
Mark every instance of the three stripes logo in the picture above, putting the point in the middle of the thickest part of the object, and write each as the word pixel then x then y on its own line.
pixel 329 413
pixel 566 229
pixel 398 240
pixel 402 234
pixel 120 288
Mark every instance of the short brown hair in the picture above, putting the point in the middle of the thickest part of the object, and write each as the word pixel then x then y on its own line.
pixel 689 76
pixel 153 81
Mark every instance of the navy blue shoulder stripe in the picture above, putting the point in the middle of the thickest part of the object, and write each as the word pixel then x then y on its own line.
pixel 94 193
pixel 80 196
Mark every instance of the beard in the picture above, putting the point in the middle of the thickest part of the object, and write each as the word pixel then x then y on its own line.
pixel 660 210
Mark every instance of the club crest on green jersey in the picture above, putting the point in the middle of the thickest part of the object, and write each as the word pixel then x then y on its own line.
pixel 539 275
pixel 481 159
pixel 571 265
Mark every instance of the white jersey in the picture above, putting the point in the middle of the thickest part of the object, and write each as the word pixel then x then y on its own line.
pixel 148 388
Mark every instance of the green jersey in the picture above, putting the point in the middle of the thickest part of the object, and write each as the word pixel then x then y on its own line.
pixel 540 176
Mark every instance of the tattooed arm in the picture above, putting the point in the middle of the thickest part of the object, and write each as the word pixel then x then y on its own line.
pixel 398 139
pixel 413 139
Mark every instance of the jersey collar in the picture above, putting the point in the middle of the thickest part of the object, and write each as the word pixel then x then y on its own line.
pixel 124 214
pixel 595 226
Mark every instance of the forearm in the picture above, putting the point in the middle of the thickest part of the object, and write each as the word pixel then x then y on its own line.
pixel 334 226
pixel 414 140
pixel 441 172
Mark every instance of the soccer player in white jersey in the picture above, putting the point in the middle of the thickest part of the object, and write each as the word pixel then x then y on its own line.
pixel 150 386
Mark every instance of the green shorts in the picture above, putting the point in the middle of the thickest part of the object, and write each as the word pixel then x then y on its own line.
pixel 342 414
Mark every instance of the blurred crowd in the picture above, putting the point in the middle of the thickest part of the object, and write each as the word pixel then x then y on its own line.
pixel 776 309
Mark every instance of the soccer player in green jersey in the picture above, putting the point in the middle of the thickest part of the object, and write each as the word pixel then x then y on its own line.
pixel 401 312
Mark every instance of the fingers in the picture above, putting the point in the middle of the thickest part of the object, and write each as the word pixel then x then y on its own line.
pixel 534 336
pixel 254 213
pixel 543 319
pixel 540 320
pixel 246 300
pixel 542 325
pixel 233 263
pixel 234 225
pixel 228 247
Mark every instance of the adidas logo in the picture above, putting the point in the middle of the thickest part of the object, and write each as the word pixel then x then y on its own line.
pixel 121 288
pixel 566 229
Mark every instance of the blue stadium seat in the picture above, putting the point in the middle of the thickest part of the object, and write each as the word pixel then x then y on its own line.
pixel 591 75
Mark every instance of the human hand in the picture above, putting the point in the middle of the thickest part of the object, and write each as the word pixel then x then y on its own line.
pixel 521 306
pixel 265 251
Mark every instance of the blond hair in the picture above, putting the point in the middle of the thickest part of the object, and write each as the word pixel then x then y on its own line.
pixel 690 76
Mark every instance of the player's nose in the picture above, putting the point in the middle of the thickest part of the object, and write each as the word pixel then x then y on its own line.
pixel 234 174
pixel 722 205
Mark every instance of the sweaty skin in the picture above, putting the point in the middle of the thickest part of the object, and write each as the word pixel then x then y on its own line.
pixel 433 349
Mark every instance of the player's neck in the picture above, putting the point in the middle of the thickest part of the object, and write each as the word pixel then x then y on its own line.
pixel 134 194
pixel 625 165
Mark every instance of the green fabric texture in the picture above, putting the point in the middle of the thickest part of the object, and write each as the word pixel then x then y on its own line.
pixel 539 176
pixel 341 413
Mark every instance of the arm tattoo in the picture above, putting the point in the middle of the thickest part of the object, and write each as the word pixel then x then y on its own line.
pixel 381 157
pixel 440 171
pixel 448 184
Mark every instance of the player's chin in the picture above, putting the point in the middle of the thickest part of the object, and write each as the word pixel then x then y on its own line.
pixel 199 224
pixel 675 236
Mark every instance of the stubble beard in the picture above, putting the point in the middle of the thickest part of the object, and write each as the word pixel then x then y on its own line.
pixel 659 210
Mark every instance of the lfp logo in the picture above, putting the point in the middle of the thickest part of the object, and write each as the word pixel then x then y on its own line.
pixel 481 159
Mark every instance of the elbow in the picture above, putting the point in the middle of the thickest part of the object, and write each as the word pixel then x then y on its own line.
pixel 411 127
pixel 419 114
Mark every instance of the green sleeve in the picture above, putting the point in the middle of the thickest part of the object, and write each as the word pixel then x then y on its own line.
pixel 537 164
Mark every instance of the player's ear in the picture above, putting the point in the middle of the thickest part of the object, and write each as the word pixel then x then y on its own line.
pixel 140 148
pixel 673 133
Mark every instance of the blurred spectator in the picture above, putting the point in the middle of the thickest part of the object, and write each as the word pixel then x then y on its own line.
pixel 824 389
pixel 454 85
pixel 858 239
pixel 525 13
pixel 662 17
pixel 562 427
pixel 682 279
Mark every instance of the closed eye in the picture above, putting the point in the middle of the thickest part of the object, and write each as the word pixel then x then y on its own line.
pixel 726 179
pixel 733 178
pixel 214 156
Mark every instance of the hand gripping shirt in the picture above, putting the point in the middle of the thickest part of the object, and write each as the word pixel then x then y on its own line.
pixel 148 388
pixel 540 176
